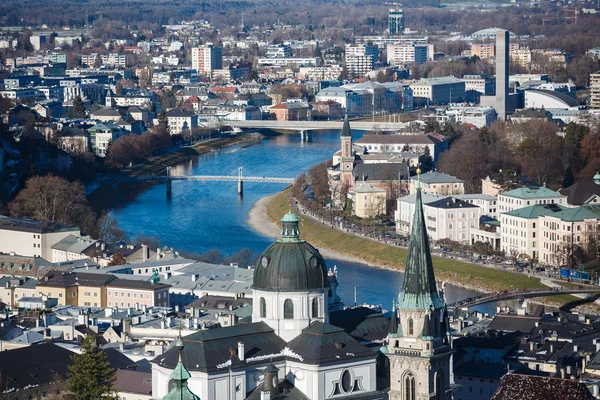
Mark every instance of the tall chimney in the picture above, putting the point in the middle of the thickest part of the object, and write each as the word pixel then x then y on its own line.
pixel 502 59
pixel 241 352
pixel 145 254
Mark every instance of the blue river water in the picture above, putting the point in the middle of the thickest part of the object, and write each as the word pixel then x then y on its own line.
pixel 210 215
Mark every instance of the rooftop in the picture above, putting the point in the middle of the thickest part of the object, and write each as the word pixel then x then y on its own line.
pixel 536 211
pixel 437 177
pixel 28 225
pixel 532 192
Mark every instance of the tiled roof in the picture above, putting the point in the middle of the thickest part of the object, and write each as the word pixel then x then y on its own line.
pixel 129 381
pixel 135 284
pixel 580 192
pixel 437 177
pixel 527 387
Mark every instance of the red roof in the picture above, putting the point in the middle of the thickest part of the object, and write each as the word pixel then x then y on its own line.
pixel 281 106
pixel 224 89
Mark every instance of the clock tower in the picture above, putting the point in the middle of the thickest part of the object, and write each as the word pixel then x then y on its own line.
pixel 418 343
pixel 347 159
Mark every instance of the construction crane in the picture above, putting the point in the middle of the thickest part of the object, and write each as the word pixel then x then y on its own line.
pixel 565 10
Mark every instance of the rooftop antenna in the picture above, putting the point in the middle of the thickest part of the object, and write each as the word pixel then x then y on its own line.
pixel 242 19
pixel 355 295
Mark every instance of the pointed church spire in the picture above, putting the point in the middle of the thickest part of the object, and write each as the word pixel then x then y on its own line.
pixel 419 289
pixel 346 131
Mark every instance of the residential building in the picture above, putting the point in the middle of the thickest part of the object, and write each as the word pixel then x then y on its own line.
pixel 180 121
pixel 520 229
pixel 207 58
pixel 31 238
pixel 101 135
pixel 279 51
pixel 562 232
pixel 396 21
pixel 595 90
pixel 290 61
pixel 12 289
pixel 360 59
pixel 521 57
pixel 438 184
pixel 528 196
pixel 446 217
pixel 367 201
pixel 71 248
pixel 290 111
pixel 136 293
pixel 75 288
pixel 37 41
pixel 483 50
pixel 401 143
pixel 442 90
pixel 320 73
pixel 409 53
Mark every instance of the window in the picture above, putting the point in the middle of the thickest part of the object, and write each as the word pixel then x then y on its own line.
pixel 346 381
pixel 439 385
pixel 409 387
pixel 263 308
pixel 288 309
pixel 411 328
pixel 315 308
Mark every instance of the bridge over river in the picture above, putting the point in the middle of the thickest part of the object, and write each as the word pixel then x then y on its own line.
pixel 305 126
pixel 239 175
pixel 520 294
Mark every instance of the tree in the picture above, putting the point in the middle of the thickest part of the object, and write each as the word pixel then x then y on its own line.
pixel 52 198
pixel 244 258
pixel 117 259
pixel 78 109
pixel 91 376
pixel 426 161
pixel 109 229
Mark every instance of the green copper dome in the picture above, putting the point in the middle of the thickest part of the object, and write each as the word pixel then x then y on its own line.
pixel 290 264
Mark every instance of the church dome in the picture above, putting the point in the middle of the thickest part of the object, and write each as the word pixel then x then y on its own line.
pixel 290 264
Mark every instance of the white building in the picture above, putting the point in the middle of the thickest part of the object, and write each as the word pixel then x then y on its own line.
pixel 445 217
pixel 528 196
pixel 207 58
pixel 392 144
pixel 520 229
pixel 30 238
pixel 413 53
pixel 360 59
pixel 72 248
pixel 279 51
pixel 180 120
pixel 442 90
pixel 539 98
pixel 476 116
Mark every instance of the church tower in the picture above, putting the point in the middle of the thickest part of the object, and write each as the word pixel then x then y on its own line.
pixel 347 160
pixel 418 344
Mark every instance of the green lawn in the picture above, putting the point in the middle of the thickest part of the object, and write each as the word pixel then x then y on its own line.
pixel 378 253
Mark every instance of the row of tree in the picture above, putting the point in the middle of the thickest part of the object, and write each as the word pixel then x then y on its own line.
pixel 130 148
pixel 534 148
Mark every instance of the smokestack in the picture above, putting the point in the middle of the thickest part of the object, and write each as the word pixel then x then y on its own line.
pixel 502 58
pixel 145 253
pixel 241 351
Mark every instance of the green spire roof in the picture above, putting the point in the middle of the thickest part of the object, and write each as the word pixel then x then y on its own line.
pixel 290 228
pixel 346 128
pixel 179 377
pixel 418 289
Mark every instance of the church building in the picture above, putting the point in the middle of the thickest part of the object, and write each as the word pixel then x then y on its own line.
pixel 301 343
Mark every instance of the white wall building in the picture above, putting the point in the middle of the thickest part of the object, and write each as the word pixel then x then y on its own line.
pixel 528 196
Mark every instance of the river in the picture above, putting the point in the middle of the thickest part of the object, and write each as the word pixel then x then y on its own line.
pixel 210 215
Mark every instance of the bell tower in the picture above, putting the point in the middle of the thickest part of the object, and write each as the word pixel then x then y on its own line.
pixel 418 343
pixel 347 160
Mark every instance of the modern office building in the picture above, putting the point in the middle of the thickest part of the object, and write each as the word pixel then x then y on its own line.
pixel 207 58
pixel 396 21
pixel 441 90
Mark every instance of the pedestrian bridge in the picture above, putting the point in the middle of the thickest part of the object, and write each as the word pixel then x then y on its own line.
pixel 316 125
pixel 239 175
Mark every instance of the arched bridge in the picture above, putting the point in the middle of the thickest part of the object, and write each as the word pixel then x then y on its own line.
pixel 519 294
pixel 239 175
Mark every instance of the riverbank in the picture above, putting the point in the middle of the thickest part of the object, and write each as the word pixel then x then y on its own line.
pixel 109 194
pixel 266 213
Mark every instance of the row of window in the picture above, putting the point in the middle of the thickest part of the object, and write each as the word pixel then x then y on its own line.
pixel 135 295
pixel 288 308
